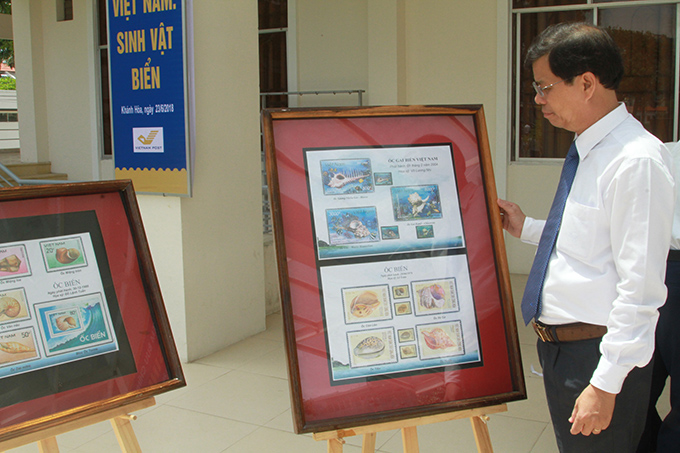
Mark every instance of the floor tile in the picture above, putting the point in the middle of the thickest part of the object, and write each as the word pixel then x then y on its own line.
pixel 268 440
pixel 241 396
pixel 534 408
pixel 273 363
pixel 546 443
pixel 195 375
pixel 239 354
pixel 170 429
pixel 282 422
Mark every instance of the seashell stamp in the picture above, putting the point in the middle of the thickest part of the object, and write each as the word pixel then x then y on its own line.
pixel 366 303
pixel 440 340
pixel 61 253
pixel 14 262
pixel 352 225
pixel 370 348
pixel 62 322
pixel 17 346
pixel 13 306
pixel 435 296
pixel 346 176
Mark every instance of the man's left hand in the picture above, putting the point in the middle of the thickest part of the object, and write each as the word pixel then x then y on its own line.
pixel 592 412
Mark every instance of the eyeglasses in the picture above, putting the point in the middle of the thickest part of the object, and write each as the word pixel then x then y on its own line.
pixel 541 90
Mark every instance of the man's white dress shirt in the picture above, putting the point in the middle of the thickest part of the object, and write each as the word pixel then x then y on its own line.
pixel 609 261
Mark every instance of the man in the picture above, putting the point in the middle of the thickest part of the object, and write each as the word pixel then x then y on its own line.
pixel 595 296
pixel 664 436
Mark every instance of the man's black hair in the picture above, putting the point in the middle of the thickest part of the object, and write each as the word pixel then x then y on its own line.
pixel 576 48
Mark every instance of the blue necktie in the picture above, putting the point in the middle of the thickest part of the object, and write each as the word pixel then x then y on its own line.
pixel 531 302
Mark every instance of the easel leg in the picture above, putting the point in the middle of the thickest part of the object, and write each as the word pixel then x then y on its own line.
pixel 125 434
pixel 368 444
pixel 335 445
pixel 481 434
pixel 409 438
pixel 48 445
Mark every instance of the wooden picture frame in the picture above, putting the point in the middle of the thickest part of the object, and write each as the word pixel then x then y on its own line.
pixel 86 332
pixel 395 290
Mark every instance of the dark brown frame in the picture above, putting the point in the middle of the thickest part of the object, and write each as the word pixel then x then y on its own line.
pixel 271 118
pixel 156 311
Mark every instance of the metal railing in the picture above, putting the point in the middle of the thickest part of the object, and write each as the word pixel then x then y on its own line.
pixel 266 207
pixel 8 177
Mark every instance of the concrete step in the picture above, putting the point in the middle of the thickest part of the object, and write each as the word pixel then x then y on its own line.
pixel 40 170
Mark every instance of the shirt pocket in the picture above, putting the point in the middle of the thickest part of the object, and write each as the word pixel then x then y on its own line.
pixel 578 233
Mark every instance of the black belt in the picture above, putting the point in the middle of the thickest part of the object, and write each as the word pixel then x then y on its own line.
pixel 568 332
pixel 674 255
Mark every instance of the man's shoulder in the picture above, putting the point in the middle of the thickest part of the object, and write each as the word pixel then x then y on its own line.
pixel 636 141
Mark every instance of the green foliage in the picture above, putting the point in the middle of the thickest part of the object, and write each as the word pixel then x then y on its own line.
pixel 6 45
pixel 8 83
pixel 7 52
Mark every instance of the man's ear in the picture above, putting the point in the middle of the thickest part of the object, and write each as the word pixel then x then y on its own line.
pixel 590 81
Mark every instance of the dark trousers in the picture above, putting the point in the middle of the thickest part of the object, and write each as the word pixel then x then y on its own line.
pixel 665 436
pixel 567 369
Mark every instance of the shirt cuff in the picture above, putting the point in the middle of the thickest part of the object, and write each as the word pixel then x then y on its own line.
pixel 531 230
pixel 609 376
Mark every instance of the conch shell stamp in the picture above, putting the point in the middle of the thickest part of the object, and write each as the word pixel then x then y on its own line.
pixel 437 339
pixel 14 347
pixel 66 323
pixel 67 256
pixel 432 296
pixel 9 307
pixel 369 348
pixel 10 264
pixel 364 304
pixel 339 180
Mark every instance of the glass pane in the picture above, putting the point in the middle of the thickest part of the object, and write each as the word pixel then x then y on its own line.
pixel 646 35
pixel 539 138
pixel 103 39
pixel 106 102
pixel 272 14
pixel 535 3
pixel 273 69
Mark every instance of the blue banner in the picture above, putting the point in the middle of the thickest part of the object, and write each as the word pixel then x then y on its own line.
pixel 148 94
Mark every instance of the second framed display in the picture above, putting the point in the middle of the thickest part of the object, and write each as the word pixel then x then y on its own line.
pixel 394 281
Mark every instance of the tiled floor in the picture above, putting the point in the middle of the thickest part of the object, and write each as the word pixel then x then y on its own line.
pixel 237 401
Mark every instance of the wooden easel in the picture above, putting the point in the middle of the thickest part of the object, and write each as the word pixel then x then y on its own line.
pixel 409 434
pixel 120 419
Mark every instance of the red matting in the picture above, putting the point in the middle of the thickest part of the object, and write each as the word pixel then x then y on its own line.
pixel 132 299
pixel 323 406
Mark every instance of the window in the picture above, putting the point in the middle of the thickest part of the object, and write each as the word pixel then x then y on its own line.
pixel 64 10
pixel 104 81
pixel 9 117
pixel 646 35
pixel 273 24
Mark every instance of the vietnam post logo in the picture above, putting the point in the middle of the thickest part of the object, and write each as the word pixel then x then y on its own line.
pixel 147 139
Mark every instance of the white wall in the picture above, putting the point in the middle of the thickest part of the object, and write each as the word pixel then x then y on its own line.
pixel 332 50
pixel 222 222
pixel 69 83
pixel 163 225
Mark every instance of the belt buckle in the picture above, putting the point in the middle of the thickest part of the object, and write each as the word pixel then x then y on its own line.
pixel 543 333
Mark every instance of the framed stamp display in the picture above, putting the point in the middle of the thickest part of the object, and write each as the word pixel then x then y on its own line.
pixel 83 328
pixel 396 296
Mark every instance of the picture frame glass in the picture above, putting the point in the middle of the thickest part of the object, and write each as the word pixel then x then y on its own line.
pixel 395 291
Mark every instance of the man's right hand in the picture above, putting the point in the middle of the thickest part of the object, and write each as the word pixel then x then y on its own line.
pixel 513 217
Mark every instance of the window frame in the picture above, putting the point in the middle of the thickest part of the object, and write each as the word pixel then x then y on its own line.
pixel 515 65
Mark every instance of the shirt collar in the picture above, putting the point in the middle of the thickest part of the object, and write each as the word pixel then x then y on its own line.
pixel 595 133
